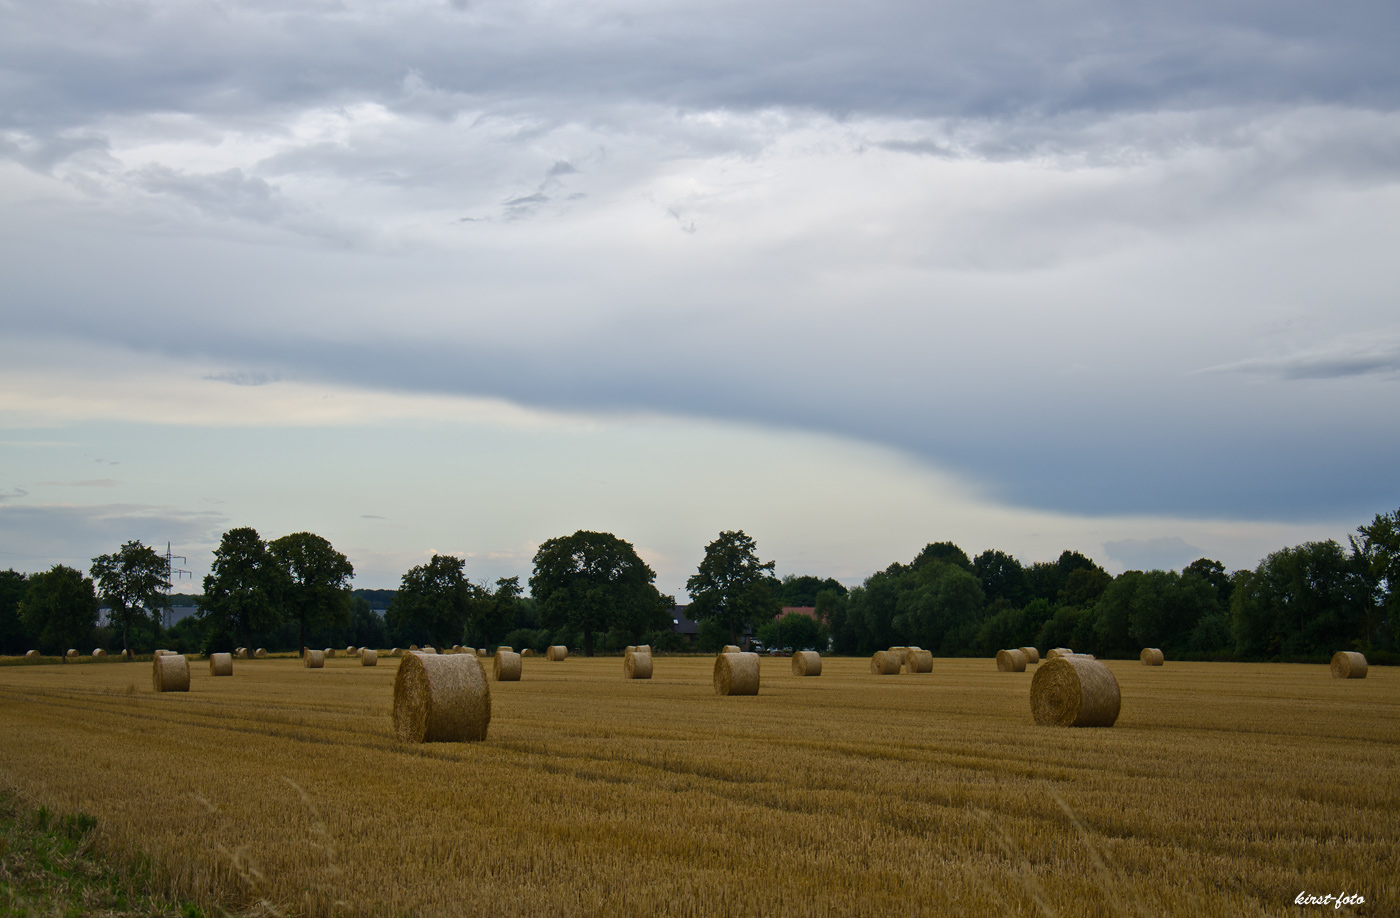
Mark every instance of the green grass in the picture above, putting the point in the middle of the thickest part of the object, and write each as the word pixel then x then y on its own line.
pixel 48 869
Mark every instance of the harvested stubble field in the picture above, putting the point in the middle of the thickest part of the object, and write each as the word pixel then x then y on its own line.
pixel 1222 790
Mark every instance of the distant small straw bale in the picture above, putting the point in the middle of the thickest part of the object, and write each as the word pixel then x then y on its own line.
pixel 1151 656
pixel 806 663
pixel 527 652
pixel 736 674
pixel 1058 652
pixel 260 654
pixel 441 699
pixel 918 660
pixel 314 659
pixel 1348 664
pixel 369 657
pixel 72 653
pixel 170 673
pixel 899 652
pixel 557 653
pixel 99 652
pixel 731 648
pixel 636 663
pixel 506 667
pixel 329 653
pixel 884 663
pixel 1032 655
pixel 32 654
pixel 221 664
pixel 1011 661
pixel 1074 691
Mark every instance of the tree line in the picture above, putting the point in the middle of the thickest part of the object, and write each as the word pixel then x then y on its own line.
pixel 592 590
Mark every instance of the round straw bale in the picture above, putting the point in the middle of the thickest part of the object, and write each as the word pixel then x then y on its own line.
pixel 350 651
pixel 731 648
pixel 899 652
pixel 506 647
pixel 1348 664
pixel 1032 655
pixel 221 664
pixel 1058 652
pixel 736 674
pixel 314 659
pixel 884 663
pixel 127 655
pixel 72 653
pixel 170 673
pixel 159 653
pixel 412 648
pixel 260 654
pixel 806 663
pixel 918 661
pixel 31 654
pixel 99 652
pixel 441 699
pixel 643 648
pixel 506 667
pixel 527 652
pixel 1011 661
pixel 428 648
pixel 394 652
pixel 483 652
pixel 636 664
pixel 369 657
pixel 557 652
pixel 241 653
pixel 1151 656
pixel 456 648
pixel 329 653
pixel 1074 691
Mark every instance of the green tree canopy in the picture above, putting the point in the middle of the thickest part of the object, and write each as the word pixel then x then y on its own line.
pixel 732 587
pixel 793 631
pixel 59 608
pixel 593 582
pixel 317 582
pixel 1002 577
pixel 132 581
pixel 14 637
pixel 802 591
pixel 244 589
pixel 945 552
pixel 1309 599
pixel 1377 551
pixel 436 597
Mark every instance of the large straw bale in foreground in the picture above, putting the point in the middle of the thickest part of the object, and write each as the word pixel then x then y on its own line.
pixel 507 666
pixel 1032 655
pixel 917 660
pixel 441 699
pixel 170 673
pixel 736 674
pixel 1348 664
pixel 884 663
pixel 1058 652
pixel 1011 661
pixel 314 659
pixel 369 656
pixel 636 664
pixel 221 664
pixel 1151 656
pixel 557 652
pixel 1074 691
pixel 806 663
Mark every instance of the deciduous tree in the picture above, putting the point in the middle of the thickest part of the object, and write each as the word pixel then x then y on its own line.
pixel 594 581
pixel 436 597
pixel 732 587
pixel 244 589
pixel 132 582
pixel 59 608
pixel 317 592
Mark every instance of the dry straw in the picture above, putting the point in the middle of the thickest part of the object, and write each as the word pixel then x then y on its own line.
pixel 806 663
pixel 260 653
pixel 557 652
pixel 1058 652
pixel 221 664
pixel 1011 661
pixel 917 660
pixel 1151 656
pixel 1074 691
pixel 506 647
pixel 428 649
pixel 314 659
pixel 412 648
pixel 241 653
pixel 736 674
pixel 31 654
pixel 636 663
pixel 395 652
pixel 350 651
pixel 160 653
pixel 884 663
pixel 1348 664
pixel 1032 655
pixel 99 652
pixel 441 699
pixel 506 667
pixel 72 654
pixel 170 673
pixel 369 657
pixel 731 648
pixel 127 655
pixel 527 652
pixel 899 652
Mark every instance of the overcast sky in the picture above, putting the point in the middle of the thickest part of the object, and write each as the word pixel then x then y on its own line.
pixel 464 276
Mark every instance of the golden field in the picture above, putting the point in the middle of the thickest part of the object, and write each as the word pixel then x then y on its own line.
pixel 1224 789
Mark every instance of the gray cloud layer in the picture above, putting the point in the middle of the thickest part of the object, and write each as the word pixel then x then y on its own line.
pixel 271 185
